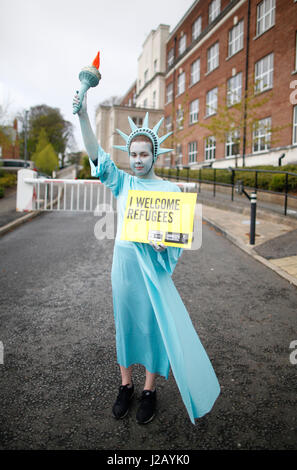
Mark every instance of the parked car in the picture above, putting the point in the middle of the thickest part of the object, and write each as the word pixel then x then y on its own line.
pixel 13 164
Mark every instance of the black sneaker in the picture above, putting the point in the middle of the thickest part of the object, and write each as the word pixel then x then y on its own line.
pixel 121 405
pixel 146 410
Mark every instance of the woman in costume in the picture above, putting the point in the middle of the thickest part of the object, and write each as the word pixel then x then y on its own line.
pixel 153 327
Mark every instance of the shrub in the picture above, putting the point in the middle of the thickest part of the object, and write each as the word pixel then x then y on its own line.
pixel 277 183
pixel 268 181
pixel 8 180
pixel 85 172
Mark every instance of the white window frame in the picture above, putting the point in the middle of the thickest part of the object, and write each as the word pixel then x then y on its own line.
pixel 234 89
pixel 169 92
pixel 262 136
pixel 154 98
pixel 213 57
pixel 265 16
pixel 146 76
pixel 235 42
pixel 179 154
pixel 211 102
pixel 155 65
pixel 230 144
pixel 294 135
pixel 214 10
pixel 194 111
pixel 264 73
pixel 210 148
pixel 182 44
pixel 180 119
pixel 192 152
pixel 137 120
pixel 196 28
pixel 168 124
pixel 195 72
pixel 181 83
pixel 170 58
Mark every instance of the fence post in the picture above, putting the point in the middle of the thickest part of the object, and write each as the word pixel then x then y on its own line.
pixel 199 180
pixel 253 199
pixel 232 183
pixel 177 173
pixel 25 191
pixel 214 182
pixel 286 194
pixel 256 180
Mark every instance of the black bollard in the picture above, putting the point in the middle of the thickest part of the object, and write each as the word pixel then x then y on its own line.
pixel 253 199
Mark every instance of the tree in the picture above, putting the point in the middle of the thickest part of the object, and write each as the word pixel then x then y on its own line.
pixel 45 157
pixel 239 119
pixel 47 160
pixel 75 158
pixel 42 141
pixel 58 130
pixel 5 129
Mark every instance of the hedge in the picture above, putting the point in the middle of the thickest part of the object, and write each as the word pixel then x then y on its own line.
pixel 7 180
pixel 268 181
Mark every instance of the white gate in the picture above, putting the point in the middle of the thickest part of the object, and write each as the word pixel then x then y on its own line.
pixel 51 194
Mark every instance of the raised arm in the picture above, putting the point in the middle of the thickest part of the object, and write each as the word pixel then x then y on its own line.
pixel 101 164
pixel 88 135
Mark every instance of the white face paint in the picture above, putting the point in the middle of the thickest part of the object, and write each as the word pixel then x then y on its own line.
pixel 141 159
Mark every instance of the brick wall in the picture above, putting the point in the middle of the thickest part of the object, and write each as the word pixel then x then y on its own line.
pixel 129 96
pixel 280 40
pixel 10 149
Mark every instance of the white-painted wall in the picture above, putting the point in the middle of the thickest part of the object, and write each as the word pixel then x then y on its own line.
pixel 154 48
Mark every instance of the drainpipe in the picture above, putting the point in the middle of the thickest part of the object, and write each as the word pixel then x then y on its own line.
pixel 246 80
pixel 173 95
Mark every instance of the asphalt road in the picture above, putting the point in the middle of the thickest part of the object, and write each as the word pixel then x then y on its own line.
pixel 60 378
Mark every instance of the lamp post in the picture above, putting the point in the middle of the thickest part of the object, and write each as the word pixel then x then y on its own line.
pixel 26 135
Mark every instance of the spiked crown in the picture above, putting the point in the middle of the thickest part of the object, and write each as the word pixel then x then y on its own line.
pixel 145 130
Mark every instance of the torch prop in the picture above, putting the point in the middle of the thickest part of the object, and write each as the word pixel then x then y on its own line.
pixel 89 77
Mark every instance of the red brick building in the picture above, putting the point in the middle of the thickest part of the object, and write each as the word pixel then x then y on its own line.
pixel 129 99
pixel 219 49
pixel 9 142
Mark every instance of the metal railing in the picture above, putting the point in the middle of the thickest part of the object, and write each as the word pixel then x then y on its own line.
pixel 174 173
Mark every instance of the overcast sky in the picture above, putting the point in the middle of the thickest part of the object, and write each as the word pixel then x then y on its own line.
pixel 45 43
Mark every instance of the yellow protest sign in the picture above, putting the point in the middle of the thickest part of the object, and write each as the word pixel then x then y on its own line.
pixel 159 216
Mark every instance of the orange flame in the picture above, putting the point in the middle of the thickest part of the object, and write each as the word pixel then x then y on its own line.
pixel 96 61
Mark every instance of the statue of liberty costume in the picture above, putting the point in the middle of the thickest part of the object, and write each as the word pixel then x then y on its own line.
pixel 153 327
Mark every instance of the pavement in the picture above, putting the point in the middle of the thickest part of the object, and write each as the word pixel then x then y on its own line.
pixel 59 375
pixel 275 238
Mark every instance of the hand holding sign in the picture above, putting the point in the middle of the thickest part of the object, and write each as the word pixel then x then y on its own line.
pixel 160 218
pixel 159 248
